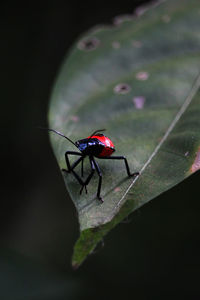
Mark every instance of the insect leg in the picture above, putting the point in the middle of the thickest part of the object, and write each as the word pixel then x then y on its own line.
pixel 77 177
pixel 100 179
pixel 89 176
pixel 82 168
pixel 70 168
pixel 125 161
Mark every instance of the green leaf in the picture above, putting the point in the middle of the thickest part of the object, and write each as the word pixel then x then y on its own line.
pixel 140 80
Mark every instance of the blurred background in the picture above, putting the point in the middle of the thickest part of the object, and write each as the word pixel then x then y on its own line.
pixel 154 254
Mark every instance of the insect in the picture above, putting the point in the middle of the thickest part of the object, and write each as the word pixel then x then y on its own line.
pixel 97 145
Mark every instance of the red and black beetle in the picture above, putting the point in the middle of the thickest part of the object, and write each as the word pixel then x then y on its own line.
pixel 96 145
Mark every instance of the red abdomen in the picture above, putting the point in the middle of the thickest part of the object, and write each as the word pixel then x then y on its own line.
pixel 109 147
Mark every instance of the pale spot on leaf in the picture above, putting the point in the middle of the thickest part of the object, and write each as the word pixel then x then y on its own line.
pixel 142 75
pixel 88 44
pixel 196 165
pixel 139 11
pixel 74 118
pixel 166 18
pixel 122 88
pixel 118 20
pixel 137 44
pixel 139 102
pixel 117 189
pixel 116 45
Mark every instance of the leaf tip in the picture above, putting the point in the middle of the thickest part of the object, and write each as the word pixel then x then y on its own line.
pixel 75 265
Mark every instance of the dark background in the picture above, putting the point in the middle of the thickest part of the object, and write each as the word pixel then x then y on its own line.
pixel 154 255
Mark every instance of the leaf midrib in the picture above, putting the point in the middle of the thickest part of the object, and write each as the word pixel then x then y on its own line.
pixel 181 111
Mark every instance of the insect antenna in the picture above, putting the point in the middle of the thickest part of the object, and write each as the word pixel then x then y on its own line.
pixel 59 133
pixel 96 132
